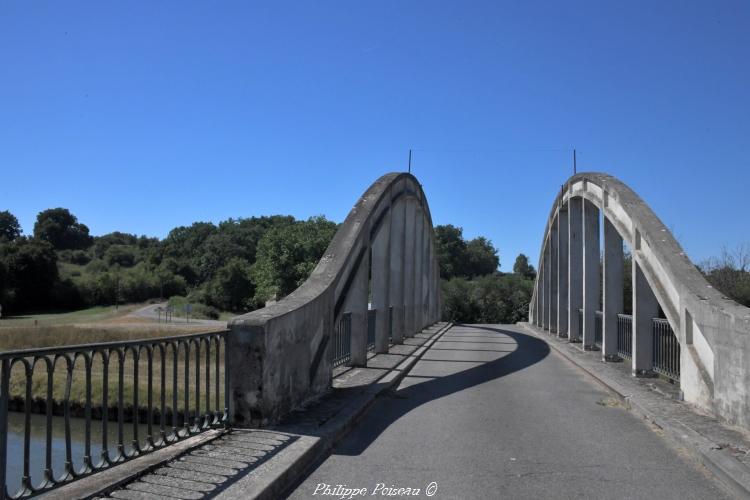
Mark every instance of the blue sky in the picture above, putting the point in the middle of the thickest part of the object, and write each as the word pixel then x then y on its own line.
pixel 141 116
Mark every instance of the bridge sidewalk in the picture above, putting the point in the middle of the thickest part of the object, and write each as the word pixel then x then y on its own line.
pixel 723 449
pixel 265 463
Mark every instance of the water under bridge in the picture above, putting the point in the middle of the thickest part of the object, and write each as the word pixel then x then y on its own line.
pixel 352 381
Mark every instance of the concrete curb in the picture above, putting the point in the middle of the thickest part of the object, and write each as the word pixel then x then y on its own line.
pixel 284 471
pixel 733 473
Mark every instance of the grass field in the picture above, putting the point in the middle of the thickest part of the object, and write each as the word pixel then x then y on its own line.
pixel 91 315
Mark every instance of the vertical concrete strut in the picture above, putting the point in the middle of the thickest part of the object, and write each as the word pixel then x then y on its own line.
pixel 381 277
pixel 356 303
pixel 409 264
pixel 613 303
pixel 562 272
pixel 575 267
pixel 645 308
pixel 398 215
pixel 418 266
pixel 590 271
pixel 553 276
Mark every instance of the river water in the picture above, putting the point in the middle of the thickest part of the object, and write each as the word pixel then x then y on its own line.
pixel 38 445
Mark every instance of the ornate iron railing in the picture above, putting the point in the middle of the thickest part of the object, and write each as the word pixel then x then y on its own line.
pixel 666 350
pixel 342 340
pixel 174 406
pixel 598 328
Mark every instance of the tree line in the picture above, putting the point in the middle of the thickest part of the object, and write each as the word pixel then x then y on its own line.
pixel 236 265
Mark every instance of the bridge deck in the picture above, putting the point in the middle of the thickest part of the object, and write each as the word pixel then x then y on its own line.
pixel 490 412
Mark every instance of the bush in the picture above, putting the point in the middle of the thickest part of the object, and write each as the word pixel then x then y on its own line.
pixel 495 298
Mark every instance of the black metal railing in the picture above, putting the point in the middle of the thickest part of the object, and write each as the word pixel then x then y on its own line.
pixel 598 328
pixel 73 386
pixel 666 350
pixel 580 323
pixel 625 336
pixel 371 318
pixel 342 340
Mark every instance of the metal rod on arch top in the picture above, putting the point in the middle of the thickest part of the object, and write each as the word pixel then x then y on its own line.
pixel 410 161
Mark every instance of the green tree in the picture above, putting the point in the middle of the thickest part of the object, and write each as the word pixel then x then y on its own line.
pixel 232 287
pixel 286 256
pixel 480 258
pixel 10 229
pixel 31 273
pixel 522 267
pixel 451 250
pixel 61 228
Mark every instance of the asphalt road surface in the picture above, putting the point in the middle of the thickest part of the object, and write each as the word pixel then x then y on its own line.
pixel 490 412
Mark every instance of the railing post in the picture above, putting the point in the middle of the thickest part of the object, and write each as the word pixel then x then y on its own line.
pixel 613 289
pixel 575 267
pixel 645 308
pixel 4 390
pixel 562 271
pixel 590 272
pixel 381 276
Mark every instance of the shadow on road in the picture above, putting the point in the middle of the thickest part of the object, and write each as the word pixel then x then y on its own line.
pixel 529 351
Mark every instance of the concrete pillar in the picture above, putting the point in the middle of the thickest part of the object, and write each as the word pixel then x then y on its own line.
pixel 547 289
pixel 409 264
pixel 553 277
pixel 425 273
pixel 562 272
pixel 575 267
pixel 356 303
pixel 381 277
pixel 590 271
pixel 542 290
pixel 398 215
pixel 613 289
pixel 645 308
pixel 418 268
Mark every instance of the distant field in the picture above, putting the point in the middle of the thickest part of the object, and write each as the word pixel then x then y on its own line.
pixel 92 315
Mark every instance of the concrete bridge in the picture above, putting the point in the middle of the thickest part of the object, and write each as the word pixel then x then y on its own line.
pixel 351 386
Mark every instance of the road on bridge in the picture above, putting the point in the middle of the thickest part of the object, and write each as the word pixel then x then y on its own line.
pixel 491 412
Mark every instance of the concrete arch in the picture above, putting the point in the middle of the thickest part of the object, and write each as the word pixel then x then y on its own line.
pixel 713 331
pixel 384 252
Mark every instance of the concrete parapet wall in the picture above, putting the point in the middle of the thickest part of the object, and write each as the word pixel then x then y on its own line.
pixel 279 356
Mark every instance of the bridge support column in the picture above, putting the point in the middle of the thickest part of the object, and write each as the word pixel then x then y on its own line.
pixel 547 284
pixel 562 272
pixel 613 289
pixel 409 264
pixel 356 303
pixel 424 304
pixel 645 308
pixel 418 269
pixel 590 272
pixel 575 267
pixel 381 277
pixel 397 259
pixel 553 276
